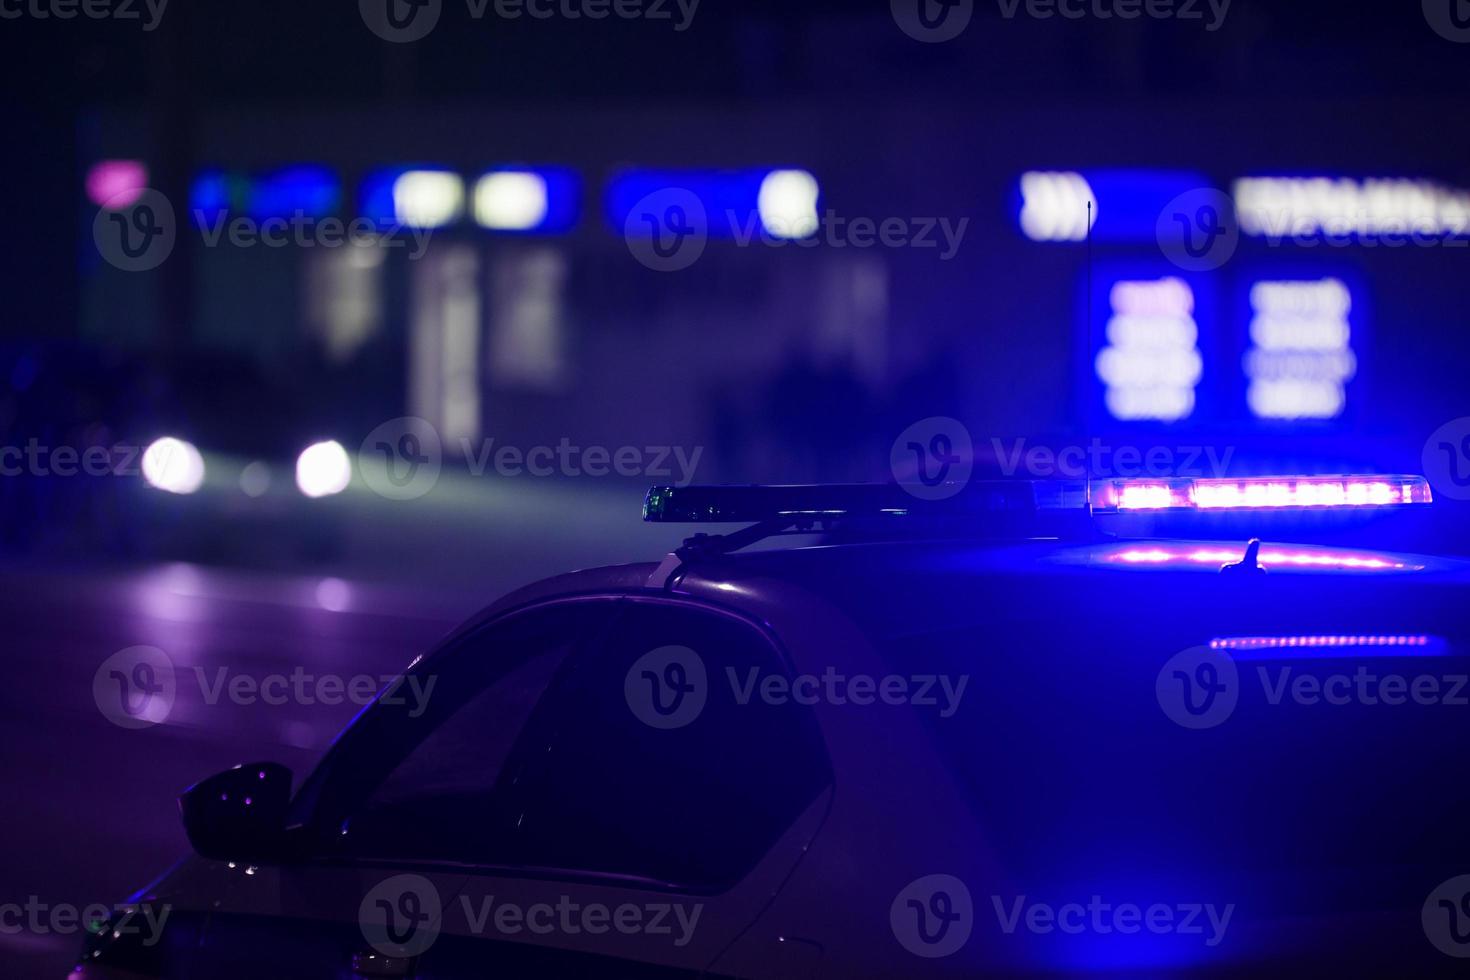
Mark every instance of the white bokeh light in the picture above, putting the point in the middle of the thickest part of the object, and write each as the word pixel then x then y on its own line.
pixel 255 478
pixel 428 198
pixel 333 595
pixel 173 465
pixel 788 204
pixel 1055 206
pixel 323 469
pixel 510 200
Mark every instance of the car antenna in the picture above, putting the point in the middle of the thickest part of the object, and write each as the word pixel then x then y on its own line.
pixel 1250 564
pixel 1091 357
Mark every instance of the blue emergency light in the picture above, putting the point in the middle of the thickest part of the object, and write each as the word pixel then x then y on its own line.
pixel 1000 498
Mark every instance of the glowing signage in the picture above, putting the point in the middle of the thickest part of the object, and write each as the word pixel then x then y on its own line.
pixel 1300 359
pixel 1151 364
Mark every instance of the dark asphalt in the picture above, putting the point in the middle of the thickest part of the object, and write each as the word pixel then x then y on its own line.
pixel 90 812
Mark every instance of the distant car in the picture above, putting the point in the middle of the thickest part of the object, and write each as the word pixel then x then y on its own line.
pixel 937 753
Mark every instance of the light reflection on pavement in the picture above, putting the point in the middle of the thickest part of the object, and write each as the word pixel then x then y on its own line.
pixel 90 807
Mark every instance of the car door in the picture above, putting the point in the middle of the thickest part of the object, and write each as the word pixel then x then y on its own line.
pixel 649 812
pixel 380 830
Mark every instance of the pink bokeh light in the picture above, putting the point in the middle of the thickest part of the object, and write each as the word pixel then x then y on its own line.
pixel 116 184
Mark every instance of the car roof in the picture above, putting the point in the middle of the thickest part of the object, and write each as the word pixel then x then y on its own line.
pixel 862 575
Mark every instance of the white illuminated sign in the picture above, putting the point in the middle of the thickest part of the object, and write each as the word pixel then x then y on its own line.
pixel 1300 358
pixel 1341 206
pixel 1151 364
pixel 1054 206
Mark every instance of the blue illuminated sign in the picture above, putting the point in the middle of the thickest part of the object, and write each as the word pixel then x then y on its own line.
pixel 309 190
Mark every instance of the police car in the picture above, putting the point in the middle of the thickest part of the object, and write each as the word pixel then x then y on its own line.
pixel 951 735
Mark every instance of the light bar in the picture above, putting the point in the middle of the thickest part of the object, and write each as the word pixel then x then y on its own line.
pixel 1214 557
pixel 1012 499
pixel 1402 645
pixel 1259 493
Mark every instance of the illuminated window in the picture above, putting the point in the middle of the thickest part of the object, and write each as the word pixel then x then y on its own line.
pixel 444 344
pixel 527 318
pixel 342 297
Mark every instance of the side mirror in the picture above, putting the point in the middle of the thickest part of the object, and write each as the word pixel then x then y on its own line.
pixel 239 814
